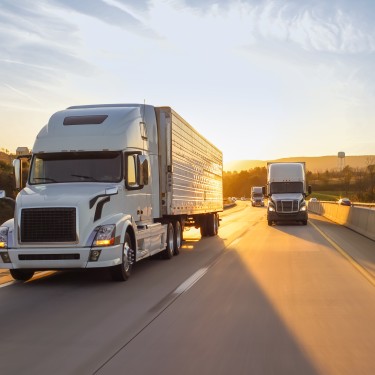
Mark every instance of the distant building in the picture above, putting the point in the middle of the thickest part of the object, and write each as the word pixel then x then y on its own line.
pixel 22 151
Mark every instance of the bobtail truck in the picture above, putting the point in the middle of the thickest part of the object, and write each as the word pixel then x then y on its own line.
pixel 110 185
pixel 286 191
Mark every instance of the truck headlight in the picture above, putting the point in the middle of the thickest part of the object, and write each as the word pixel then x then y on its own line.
pixel 105 235
pixel 271 206
pixel 303 208
pixel 4 237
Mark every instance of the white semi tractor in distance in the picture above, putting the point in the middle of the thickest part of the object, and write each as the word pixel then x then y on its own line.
pixel 286 191
pixel 109 185
pixel 257 196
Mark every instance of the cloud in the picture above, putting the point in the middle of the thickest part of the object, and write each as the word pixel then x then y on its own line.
pixel 109 12
pixel 341 26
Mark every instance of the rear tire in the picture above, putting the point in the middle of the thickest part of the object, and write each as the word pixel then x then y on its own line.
pixel 212 221
pixel 203 225
pixel 177 237
pixel 21 275
pixel 169 250
pixel 122 271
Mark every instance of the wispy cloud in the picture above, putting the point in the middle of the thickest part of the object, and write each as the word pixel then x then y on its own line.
pixel 23 94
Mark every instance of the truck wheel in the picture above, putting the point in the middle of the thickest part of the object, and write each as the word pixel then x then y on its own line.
pixel 177 239
pixel 270 222
pixel 304 222
pixel 203 226
pixel 212 224
pixel 21 275
pixel 169 250
pixel 122 271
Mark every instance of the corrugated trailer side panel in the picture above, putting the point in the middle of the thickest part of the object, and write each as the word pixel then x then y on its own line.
pixel 194 169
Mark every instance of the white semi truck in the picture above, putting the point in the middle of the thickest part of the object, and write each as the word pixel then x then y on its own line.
pixel 286 191
pixel 257 196
pixel 108 186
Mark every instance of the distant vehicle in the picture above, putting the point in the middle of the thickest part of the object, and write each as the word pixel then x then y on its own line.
pixel 344 202
pixel 313 200
pixel 257 197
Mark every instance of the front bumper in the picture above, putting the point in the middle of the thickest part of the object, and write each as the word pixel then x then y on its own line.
pixel 297 216
pixel 60 258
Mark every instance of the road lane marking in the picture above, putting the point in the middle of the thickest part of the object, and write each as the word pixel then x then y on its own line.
pixel 366 274
pixel 188 283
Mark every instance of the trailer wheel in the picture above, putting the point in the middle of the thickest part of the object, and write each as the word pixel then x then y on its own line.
pixel 122 271
pixel 213 224
pixel 21 275
pixel 177 239
pixel 204 225
pixel 169 250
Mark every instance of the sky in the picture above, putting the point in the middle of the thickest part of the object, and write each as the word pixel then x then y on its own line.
pixel 261 79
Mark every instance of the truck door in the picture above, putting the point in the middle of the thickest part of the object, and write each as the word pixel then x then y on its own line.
pixel 133 196
pixel 137 182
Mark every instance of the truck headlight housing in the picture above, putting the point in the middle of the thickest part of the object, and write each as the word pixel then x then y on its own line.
pixel 105 235
pixel 271 206
pixel 4 237
pixel 303 207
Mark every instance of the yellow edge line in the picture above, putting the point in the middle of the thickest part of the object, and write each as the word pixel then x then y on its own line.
pixel 367 275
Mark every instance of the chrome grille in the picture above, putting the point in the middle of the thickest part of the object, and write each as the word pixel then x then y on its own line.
pixel 286 206
pixel 48 224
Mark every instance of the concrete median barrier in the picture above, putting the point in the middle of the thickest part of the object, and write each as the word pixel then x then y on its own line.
pixel 359 219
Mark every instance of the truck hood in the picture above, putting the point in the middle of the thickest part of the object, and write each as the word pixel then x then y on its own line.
pixel 287 196
pixel 57 195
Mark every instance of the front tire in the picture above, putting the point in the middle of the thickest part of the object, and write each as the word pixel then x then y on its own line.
pixel 122 271
pixel 270 222
pixel 21 275
pixel 169 250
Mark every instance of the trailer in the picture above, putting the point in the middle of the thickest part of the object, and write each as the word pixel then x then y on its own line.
pixel 109 185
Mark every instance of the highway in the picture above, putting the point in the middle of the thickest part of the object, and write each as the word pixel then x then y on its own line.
pixel 287 299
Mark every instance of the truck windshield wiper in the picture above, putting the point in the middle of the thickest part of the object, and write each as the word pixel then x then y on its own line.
pixel 44 179
pixel 90 178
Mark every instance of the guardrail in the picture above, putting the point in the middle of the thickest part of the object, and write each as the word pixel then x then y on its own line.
pixel 360 218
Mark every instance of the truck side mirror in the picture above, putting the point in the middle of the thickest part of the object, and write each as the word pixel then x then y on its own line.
pixel 142 176
pixel 17 166
pixel 264 190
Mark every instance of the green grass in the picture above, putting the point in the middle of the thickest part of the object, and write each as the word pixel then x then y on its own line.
pixel 329 195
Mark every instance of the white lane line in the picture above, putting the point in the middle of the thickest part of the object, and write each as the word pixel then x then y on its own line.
pixel 187 284
pixel 7 284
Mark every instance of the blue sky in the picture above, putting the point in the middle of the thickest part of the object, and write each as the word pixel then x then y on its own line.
pixel 260 79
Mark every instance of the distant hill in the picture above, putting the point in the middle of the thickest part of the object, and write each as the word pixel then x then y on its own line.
pixel 313 163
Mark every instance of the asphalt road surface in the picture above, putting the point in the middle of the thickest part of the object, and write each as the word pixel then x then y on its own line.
pixel 287 299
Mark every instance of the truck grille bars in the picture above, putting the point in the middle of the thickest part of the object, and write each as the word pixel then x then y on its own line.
pixel 48 225
pixel 287 206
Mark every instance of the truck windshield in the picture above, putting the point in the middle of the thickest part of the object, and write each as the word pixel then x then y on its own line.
pixel 103 166
pixel 257 195
pixel 286 187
